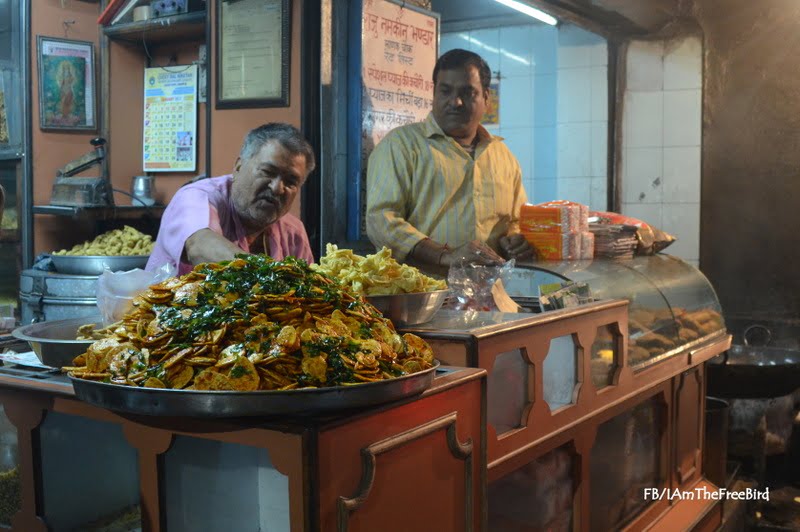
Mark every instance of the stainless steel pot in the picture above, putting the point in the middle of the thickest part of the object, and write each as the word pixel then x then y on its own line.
pixel 48 296
pixel 95 265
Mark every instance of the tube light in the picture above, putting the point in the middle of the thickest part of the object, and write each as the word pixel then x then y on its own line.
pixel 530 11
pixel 492 49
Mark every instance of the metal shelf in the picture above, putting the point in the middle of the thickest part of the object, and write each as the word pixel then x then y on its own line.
pixel 119 212
pixel 183 27
pixel 9 236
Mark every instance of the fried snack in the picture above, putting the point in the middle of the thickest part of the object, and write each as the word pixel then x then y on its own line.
pixel 88 331
pixel 699 323
pixel 637 354
pixel 252 323
pixel 373 275
pixel 687 335
pixel 655 340
pixel 119 242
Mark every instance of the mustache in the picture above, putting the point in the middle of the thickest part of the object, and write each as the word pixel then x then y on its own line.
pixel 270 198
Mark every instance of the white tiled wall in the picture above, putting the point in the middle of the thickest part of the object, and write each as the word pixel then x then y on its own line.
pixel 661 139
pixel 553 105
pixel 582 128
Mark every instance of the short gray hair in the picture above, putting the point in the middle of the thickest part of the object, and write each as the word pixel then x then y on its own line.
pixel 288 136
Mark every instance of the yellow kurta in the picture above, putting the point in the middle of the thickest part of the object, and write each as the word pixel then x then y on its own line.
pixel 422 183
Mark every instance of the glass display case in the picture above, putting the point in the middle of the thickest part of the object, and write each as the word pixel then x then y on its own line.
pixel 538 496
pixel 671 303
pixel 625 460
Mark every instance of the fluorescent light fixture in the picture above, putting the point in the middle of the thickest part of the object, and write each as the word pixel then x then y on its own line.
pixel 530 11
pixel 492 49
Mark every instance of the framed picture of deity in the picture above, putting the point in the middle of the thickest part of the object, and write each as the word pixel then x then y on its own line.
pixel 66 75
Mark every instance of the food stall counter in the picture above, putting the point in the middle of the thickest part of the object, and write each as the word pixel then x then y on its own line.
pixel 589 405
pixel 354 471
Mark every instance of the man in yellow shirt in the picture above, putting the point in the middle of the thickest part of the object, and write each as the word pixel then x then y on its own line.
pixel 444 189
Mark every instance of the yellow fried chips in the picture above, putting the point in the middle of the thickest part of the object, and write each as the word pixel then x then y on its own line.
pixel 126 241
pixel 250 324
pixel 374 275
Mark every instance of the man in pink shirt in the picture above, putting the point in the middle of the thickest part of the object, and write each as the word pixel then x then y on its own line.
pixel 246 212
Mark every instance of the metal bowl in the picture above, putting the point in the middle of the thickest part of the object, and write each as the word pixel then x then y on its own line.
pixel 410 309
pixel 96 264
pixel 54 341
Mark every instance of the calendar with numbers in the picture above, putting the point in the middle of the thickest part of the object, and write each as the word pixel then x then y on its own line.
pixel 170 119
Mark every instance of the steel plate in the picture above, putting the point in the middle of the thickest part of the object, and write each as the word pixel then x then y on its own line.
pixel 95 265
pixel 220 404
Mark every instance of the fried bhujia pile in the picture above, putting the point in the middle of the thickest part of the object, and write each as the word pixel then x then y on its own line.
pixel 251 324
pixel 127 241
pixel 373 275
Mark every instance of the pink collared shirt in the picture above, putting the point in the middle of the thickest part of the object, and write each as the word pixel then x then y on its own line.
pixel 206 204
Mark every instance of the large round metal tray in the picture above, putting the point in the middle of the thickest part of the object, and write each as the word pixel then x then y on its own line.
pixel 96 264
pixel 54 341
pixel 220 404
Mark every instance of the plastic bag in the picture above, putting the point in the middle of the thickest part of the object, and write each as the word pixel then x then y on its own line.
pixel 651 239
pixel 473 287
pixel 116 290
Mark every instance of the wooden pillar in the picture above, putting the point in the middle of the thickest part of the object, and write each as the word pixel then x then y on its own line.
pixel 150 443
pixel 26 412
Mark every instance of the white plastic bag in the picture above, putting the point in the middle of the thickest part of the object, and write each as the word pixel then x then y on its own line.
pixel 116 290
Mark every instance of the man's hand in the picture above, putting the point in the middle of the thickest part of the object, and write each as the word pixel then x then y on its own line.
pixel 475 252
pixel 207 246
pixel 516 247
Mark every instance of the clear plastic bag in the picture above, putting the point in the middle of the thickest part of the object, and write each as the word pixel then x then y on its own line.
pixel 473 287
pixel 651 239
pixel 116 290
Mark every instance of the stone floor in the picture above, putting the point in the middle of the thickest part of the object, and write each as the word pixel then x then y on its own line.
pixel 781 512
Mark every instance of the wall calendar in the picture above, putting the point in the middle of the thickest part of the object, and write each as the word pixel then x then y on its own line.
pixel 170 119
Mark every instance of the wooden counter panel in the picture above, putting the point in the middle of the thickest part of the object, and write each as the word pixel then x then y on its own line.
pixel 483 346
pixel 416 467
pixel 689 402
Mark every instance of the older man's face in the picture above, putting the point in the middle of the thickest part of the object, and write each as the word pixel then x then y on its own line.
pixel 265 186
pixel 459 100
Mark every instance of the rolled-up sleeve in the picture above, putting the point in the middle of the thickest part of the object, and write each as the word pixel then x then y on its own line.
pixel 188 212
pixel 389 181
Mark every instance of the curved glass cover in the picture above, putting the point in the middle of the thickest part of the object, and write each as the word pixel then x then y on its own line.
pixel 671 303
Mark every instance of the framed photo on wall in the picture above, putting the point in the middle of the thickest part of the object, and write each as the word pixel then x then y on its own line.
pixel 66 84
pixel 253 53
